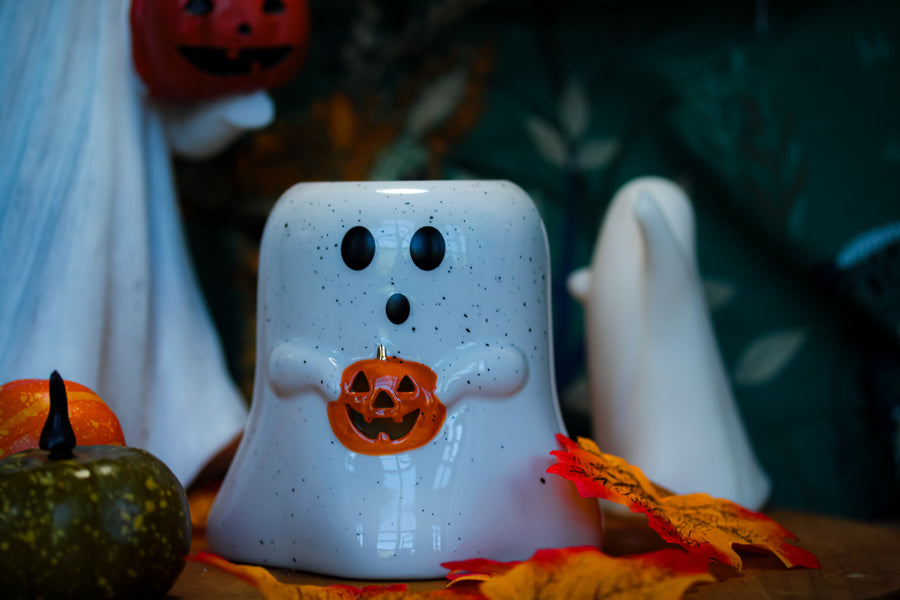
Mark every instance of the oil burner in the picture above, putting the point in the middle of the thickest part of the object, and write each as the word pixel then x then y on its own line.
pixel 404 403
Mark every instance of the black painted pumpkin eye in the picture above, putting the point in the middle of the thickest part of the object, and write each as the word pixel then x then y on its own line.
pixel 198 7
pixel 360 383
pixel 358 248
pixel 406 385
pixel 427 248
pixel 273 7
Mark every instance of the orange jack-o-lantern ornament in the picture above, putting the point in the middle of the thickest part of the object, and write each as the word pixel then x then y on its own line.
pixel 189 50
pixel 387 405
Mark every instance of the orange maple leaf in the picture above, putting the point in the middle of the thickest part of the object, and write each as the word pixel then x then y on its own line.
pixel 272 589
pixel 586 572
pixel 705 526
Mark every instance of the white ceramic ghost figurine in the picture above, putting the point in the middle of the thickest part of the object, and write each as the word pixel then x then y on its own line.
pixel 661 396
pixel 95 274
pixel 404 404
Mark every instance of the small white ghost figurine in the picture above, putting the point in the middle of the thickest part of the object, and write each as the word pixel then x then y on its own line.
pixel 660 394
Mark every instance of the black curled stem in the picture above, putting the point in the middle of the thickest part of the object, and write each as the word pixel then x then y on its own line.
pixel 57 436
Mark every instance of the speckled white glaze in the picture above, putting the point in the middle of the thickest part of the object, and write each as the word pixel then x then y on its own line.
pixel 295 496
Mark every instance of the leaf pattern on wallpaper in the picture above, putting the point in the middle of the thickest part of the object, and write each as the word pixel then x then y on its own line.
pixel 377 43
pixel 434 106
pixel 718 293
pixel 437 102
pixel 566 145
pixel 548 140
pixel 768 355
pixel 365 36
pixel 742 133
pixel 574 110
pixel 596 153
pixel 404 157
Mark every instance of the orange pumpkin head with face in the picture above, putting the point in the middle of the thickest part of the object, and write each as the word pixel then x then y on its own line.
pixel 189 50
pixel 386 406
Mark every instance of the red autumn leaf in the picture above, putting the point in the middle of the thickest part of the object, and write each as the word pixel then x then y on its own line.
pixel 272 589
pixel 586 572
pixel 476 569
pixel 705 526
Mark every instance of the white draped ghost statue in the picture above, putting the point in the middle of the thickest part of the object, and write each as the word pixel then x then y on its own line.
pixel 661 396
pixel 95 276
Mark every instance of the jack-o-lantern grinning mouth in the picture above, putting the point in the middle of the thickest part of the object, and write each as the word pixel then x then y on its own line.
pixel 216 61
pixel 383 425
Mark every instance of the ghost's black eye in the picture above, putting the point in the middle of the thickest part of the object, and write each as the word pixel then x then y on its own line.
pixel 198 7
pixel 427 248
pixel 358 248
pixel 397 308
pixel 273 7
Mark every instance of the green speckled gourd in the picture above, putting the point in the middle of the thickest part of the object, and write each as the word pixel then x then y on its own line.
pixel 89 522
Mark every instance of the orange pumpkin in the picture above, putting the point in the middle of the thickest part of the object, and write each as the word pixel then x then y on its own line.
pixel 189 50
pixel 386 406
pixel 24 405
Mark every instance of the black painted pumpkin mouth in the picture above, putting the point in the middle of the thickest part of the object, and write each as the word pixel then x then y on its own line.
pixel 216 61
pixel 383 426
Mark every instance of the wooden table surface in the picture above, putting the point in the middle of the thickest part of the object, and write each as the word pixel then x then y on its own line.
pixel 859 560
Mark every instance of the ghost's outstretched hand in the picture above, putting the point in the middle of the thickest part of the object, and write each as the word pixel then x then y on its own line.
pixel 200 131
pixel 294 367
pixel 486 370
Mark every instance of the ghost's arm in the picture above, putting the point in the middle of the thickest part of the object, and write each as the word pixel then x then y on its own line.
pixel 203 130
pixel 495 371
pixel 294 368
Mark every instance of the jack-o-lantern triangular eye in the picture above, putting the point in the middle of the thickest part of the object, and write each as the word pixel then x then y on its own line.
pixel 273 7
pixel 360 383
pixel 406 385
pixel 198 7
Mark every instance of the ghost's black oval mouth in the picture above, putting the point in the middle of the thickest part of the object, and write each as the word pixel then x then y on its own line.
pixel 383 426
pixel 215 61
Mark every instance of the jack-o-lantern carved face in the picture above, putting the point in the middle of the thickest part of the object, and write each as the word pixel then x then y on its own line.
pixel 188 50
pixel 386 406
